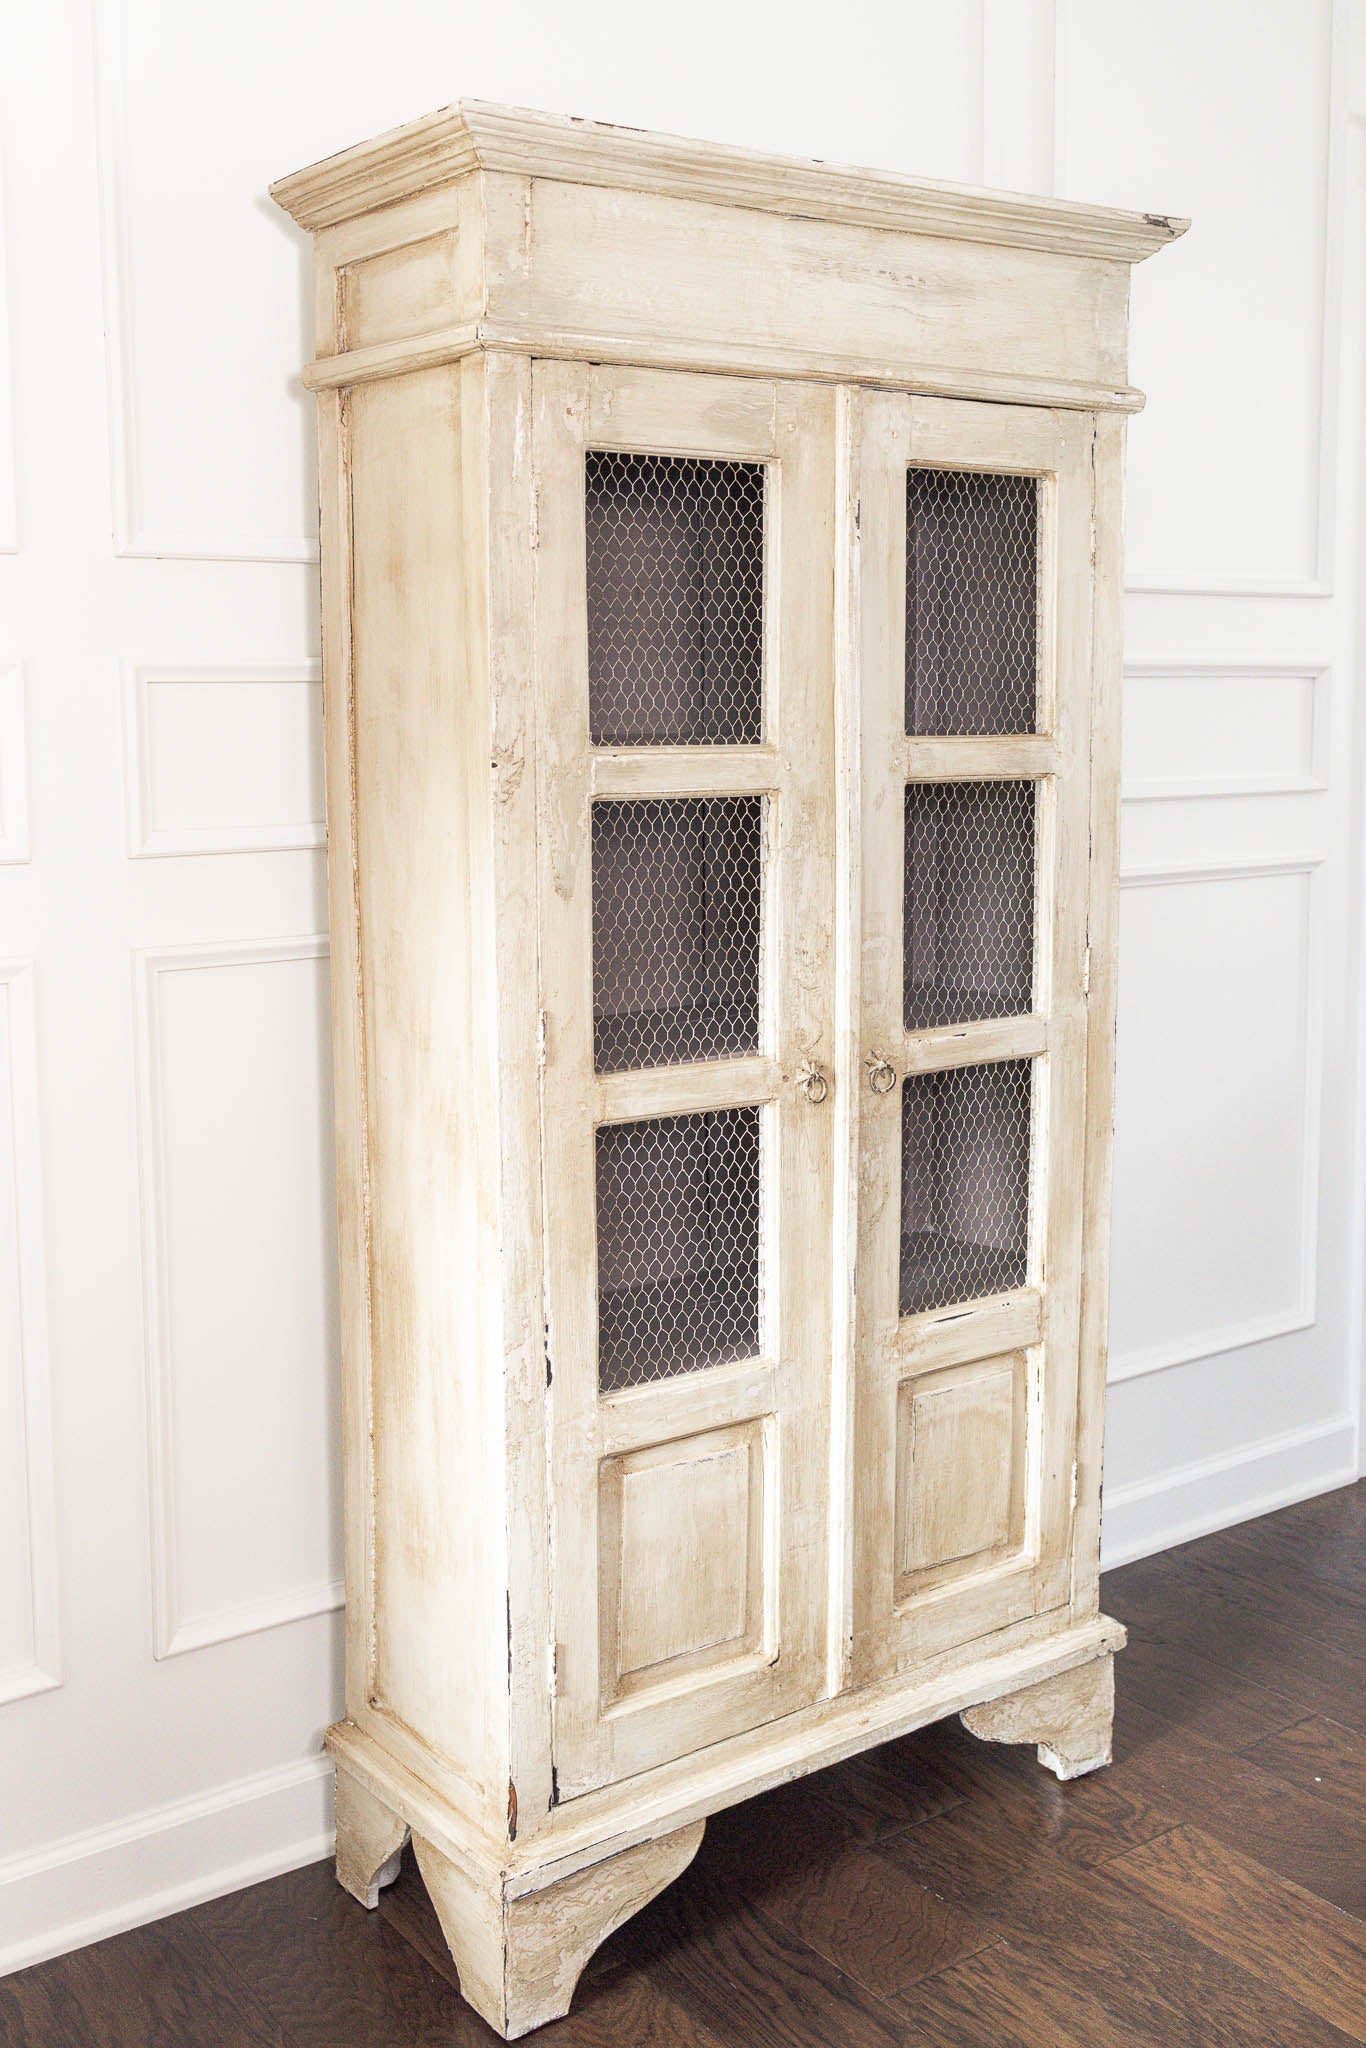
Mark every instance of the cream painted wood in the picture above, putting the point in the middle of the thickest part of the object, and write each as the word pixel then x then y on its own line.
pixel 1068 1718
pixel 843 274
pixel 370 1841
pixel 520 1962
pixel 905 1606
pixel 580 1621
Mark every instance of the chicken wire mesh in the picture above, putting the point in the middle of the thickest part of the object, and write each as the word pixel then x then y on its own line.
pixel 675 599
pixel 679 1280
pixel 971 602
pixel 969 902
pixel 677 914
pixel 964 1184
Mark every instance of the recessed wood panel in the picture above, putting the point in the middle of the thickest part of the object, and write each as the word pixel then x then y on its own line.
pixel 960 1467
pixel 681 1546
pixel 404 291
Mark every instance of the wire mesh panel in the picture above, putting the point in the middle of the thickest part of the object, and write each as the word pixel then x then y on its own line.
pixel 969 902
pixel 971 601
pixel 679 1278
pixel 675 599
pixel 964 1184
pixel 677 910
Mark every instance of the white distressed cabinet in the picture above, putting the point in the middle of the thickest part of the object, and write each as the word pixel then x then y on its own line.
pixel 721 577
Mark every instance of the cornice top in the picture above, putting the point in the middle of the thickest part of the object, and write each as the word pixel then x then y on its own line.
pixel 478 135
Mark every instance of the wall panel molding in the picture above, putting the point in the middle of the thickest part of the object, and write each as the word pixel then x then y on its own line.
pixel 1317 580
pixel 175 1631
pixel 41 1669
pixel 134 537
pixel 1313 780
pixel 150 839
pixel 14 833
pixel 1299 1313
pixel 9 482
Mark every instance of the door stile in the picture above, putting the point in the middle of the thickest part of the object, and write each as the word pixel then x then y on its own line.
pixel 884 456
pixel 559 407
pixel 850 402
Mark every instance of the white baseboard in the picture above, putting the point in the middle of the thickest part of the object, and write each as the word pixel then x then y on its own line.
pixel 111 1878
pixel 1214 1493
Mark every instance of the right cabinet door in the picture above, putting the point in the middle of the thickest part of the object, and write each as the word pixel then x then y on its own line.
pixel 974 627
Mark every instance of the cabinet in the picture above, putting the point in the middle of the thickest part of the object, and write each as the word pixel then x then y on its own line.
pixel 721 617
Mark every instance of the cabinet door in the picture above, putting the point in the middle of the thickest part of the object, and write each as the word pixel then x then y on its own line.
pixel 975 534
pixel 684 601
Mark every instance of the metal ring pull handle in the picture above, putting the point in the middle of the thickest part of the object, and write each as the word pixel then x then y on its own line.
pixel 881 1073
pixel 813 1083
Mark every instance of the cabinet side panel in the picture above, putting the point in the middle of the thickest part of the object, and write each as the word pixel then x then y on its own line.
pixel 347 1047
pixel 422 824
pixel 1103 944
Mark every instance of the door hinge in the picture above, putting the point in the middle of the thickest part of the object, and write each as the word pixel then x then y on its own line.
pixel 542 1039
pixel 554 1786
pixel 1086 976
pixel 512 1811
pixel 1074 1486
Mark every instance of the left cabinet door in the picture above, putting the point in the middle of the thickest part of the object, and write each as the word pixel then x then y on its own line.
pixel 684 624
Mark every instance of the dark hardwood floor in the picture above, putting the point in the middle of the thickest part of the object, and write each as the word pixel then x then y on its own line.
pixel 1210 1888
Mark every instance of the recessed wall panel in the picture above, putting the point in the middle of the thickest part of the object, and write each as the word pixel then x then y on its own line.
pixel 225 760
pixel 241 1243
pixel 1213 1149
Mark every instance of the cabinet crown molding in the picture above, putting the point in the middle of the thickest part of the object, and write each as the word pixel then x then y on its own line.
pixel 480 135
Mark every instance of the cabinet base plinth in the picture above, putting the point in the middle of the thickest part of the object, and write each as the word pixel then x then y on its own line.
pixel 370 1839
pixel 1069 1718
pixel 519 1958
pixel 519 1953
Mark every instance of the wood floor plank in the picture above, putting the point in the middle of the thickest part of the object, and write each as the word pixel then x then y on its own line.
pixel 884 1789
pixel 627 2007
pixel 1280 1566
pixel 1181 1684
pixel 1004 1997
pixel 331 1974
pixel 1142 1968
pixel 871 1920
pixel 1313 1842
pixel 746 1979
pixel 1319 1757
pixel 1270 1927
pixel 1300 1642
pixel 1026 1809
pixel 163 1986
pixel 746 1844
pixel 1323 1538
